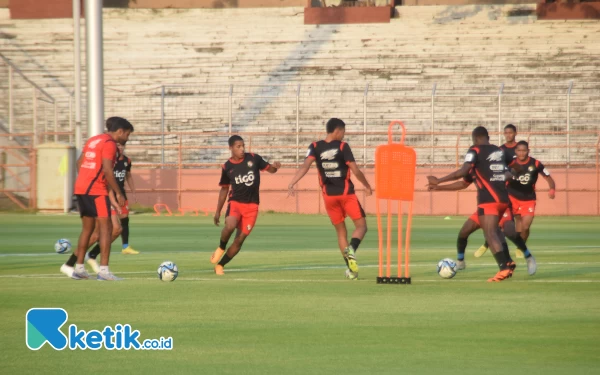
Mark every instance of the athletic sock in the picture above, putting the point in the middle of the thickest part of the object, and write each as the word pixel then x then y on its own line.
pixel 520 244
pixel 79 268
pixel 501 260
pixel 461 245
pixel 355 243
pixel 506 252
pixel 486 245
pixel 95 251
pixel 223 245
pixel 125 232
pixel 104 269
pixel 72 260
pixel 224 260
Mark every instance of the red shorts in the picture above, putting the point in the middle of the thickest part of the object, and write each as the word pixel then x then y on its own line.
pixel 245 213
pixel 506 216
pixel 497 209
pixel 523 208
pixel 93 205
pixel 124 209
pixel 340 206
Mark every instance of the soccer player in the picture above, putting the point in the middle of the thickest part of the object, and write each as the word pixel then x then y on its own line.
pixel 510 133
pixel 335 162
pixel 95 173
pixel 509 147
pixel 242 173
pixel 472 224
pixel 123 173
pixel 521 189
pixel 489 163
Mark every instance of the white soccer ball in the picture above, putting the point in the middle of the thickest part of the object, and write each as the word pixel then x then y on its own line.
pixel 62 246
pixel 167 271
pixel 446 268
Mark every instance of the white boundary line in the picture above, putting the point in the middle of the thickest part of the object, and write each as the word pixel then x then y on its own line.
pixel 292 268
pixel 541 249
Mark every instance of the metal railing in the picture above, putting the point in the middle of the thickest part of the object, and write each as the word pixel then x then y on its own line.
pixel 434 109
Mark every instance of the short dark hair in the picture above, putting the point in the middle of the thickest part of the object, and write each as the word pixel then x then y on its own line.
pixel 334 123
pixel 233 139
pixel 523 143
pixel 511 126
pixel 480 131
pixel 115 123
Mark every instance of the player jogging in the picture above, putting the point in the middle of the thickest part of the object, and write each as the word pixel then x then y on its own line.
pixel 95 173
pixel 242 173
pixel 472 224
pixel 521 189
pixel 335 164
pixel 489 163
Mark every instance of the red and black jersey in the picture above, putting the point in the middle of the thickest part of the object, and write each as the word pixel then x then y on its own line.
pixel 510 151
pixel 489 163
pixel 523 186
pixel 90 178
pixel 120 170
pixel 244 178
pixel 332 163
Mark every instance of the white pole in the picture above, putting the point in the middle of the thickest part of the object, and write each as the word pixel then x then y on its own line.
pixel 77 73
pixel 11 113
pixel 94 67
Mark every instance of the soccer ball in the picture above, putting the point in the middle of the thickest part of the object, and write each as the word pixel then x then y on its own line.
pixel 167 271
pixel 446 268
pixel 62 246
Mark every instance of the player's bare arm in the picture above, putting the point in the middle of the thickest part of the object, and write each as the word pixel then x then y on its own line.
pixel 129 179
pixel 113 201
pixel 458 185
pixel 220 203
pixel 460 173
pixel 551 185
pixel 107 168
pixel 360 177
pixel 299 174
pixel 273 168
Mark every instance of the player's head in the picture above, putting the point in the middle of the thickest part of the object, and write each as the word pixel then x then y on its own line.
pixel 236 145
pixel 121 148
pixel 522 150
pixel 480 136
pixel 119 128
pixel 336 129
pixel 510 132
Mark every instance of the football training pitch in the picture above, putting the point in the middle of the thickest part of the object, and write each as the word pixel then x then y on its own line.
pixel 284 306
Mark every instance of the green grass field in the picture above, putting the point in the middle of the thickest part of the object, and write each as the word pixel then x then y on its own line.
pixel 284 306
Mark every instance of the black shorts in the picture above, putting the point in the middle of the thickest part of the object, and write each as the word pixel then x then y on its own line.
pixel 93 205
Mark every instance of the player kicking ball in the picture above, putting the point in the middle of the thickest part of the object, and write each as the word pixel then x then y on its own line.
pixel 335 163
pixel 509 147
pixel 240 177
pixel 472 224
pixel 489 163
